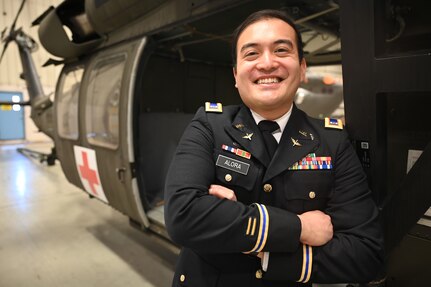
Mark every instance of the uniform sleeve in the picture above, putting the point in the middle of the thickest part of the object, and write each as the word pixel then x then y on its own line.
pixel 355 254
pixel 206 223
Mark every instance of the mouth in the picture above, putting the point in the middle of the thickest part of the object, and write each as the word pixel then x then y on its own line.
pixel 271 80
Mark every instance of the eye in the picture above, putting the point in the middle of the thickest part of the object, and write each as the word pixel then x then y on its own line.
pixel 250 54
pixel 282 51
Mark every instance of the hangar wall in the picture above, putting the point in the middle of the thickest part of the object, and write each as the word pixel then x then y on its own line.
pixel 10 67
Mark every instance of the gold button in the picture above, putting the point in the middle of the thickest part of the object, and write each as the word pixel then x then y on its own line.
pixel 259 274
pixel 267 187
pixel 183 278
pixel 228 177
pixel 312 194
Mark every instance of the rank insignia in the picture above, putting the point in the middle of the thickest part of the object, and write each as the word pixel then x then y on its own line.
pixel 333 123
pixel 237 151
pixel 213 107
pixel 313 162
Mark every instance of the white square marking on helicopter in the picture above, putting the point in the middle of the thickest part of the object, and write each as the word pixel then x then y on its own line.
pixel 86 165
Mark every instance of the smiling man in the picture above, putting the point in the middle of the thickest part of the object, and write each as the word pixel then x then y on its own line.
pixel 268 68
pixel 261 194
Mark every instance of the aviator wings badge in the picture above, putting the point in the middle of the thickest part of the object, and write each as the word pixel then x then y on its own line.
pixel 295 142
pixel 248 136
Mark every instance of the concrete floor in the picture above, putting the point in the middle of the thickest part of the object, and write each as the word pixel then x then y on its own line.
pixel 52 234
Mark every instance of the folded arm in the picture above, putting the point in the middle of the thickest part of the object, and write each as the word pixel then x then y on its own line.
pixel 198 220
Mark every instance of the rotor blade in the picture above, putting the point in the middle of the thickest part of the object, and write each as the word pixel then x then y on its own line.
pixel 12 28
pixel 4 50
pixel 3 32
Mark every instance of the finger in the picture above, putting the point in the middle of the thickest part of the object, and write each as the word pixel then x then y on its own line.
pixel 222 192
pixel 218 187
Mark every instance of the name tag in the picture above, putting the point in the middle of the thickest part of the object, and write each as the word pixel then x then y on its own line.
pixel 232 164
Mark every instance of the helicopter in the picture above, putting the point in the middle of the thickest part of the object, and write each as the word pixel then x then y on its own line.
pixel 134 73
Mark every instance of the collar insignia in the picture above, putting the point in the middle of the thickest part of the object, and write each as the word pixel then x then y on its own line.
pixel 248 136
pixel 295 142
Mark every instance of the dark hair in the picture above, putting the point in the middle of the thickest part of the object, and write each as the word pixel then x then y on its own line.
pixel 264 15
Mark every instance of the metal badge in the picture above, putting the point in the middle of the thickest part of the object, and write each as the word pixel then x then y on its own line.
pixel 303 133
pixel 248 136
pixel 295 142
pixel 312 137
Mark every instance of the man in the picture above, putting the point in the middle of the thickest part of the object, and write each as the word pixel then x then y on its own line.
pixel 246 217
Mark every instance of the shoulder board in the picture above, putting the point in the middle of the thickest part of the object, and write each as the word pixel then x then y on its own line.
pixel 333 123
pixel 213 107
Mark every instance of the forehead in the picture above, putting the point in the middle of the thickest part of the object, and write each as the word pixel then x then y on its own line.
pixel 264 30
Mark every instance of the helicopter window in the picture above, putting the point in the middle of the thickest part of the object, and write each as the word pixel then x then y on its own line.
pixel 103 99
pixel 67 106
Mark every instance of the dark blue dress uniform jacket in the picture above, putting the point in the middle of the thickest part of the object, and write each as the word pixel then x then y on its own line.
pixel 219 236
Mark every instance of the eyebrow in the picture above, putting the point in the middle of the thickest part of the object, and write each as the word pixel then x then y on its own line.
pixel 285 41
pixel 280 41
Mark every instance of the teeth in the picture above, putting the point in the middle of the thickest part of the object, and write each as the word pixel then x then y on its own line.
pixel 268 81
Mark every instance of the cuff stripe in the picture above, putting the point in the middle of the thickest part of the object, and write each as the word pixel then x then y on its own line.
pixel 310 263
pixel 263 229
pixel 304 251
pixel 248 226
pixel 307 263
pixel 254 227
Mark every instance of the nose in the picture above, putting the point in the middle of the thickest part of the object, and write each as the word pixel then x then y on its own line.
pixel 267 61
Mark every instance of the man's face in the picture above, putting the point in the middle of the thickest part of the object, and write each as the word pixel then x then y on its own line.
pixel 268 70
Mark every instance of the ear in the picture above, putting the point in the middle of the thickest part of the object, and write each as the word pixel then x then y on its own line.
pixel 303 70
pixel 234 75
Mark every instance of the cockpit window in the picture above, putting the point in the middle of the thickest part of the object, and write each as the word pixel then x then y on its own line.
pixel 67 103
pixel 103 102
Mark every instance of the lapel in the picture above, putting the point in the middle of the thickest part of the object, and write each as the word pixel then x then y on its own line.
pixel 297 129
pixel 244 125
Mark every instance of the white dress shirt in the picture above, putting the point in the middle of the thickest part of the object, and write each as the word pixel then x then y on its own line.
pixel 282 122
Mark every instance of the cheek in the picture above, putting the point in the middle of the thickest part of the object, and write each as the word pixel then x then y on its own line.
pixel 242 78
pixel 296 76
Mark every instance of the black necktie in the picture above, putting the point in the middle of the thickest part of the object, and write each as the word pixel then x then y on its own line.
pixel 267 128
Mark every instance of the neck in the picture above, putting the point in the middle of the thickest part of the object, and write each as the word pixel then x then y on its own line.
pixel 274 113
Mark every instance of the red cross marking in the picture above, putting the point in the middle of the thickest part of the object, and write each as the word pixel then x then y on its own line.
pixel 89 174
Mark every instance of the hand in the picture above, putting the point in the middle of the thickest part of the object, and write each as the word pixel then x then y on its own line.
pixel 317 228
pixel 222 192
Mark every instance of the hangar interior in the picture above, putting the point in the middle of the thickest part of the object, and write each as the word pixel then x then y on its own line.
pixel 387 97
